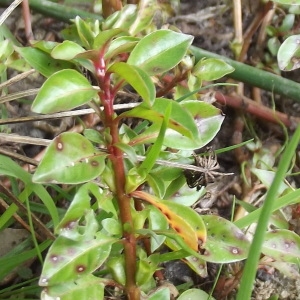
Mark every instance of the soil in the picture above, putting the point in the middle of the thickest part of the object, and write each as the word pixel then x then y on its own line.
pixel 211 24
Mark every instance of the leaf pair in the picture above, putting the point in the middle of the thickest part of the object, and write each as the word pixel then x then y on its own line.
pixel 67 88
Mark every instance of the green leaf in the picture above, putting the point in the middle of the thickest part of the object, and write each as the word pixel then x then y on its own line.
pixel 121 19
pixel 112 226
pixel 288 2
pixel 286 269
pixel 184 220
pixel 198 265
pixel 81 203
pixel 282 245
pixel 63 90
pixel 145 269
pixel 190 216
pixel 194 294
pixel 289 54
pixel 187 196
pixel 273 45
pixel 67 50
pixel 86 287
pixel 85 32
pixel 180 120
pixel 69 259
pixel 6 49
pixel 211 69
pixel 287 23
pixel 225 242
pixel 157 222
pixel 45 46
pixel 208 119
pixel 160 51
pixel 266 177
pixel 137 78
pixel 116 266
pixel 128 150
pixel 161 294
pixel 192 124
pixel 134 179
pixel 120 45
pixel 144 16
pixel 94 136
pixel 70 158
pixel 165 172
pixel 175 185
pixel 158 184
pixel 42 61
pixel 105 36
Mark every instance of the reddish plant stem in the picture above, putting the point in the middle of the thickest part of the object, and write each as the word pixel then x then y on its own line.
pixel 257 110
pixel 125 214
pixel 171 84
pixel 110 6
pixel 107 95
pixel 27 20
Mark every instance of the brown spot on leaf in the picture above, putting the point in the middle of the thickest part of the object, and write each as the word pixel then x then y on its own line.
pixel 167 215
pixel 44 281
pixel 289 244
pixel 80 268
pixel 70 225
pixel 59 144
pixel 54 258
pixel 177 229
pixel 234 250
pixel 94 163
pixel 156 70
pixel 174 123
pixel 71 251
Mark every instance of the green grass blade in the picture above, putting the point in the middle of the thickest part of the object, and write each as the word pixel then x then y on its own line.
pixel 249 272
pixel 9 168
pixel 153 154
pixel 288 199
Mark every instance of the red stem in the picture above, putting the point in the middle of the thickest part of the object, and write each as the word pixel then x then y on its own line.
pixel 257 110
pixel 107 95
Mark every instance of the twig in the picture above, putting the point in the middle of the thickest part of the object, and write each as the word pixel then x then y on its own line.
pixel 57 11
pixel 17 78
pixel 19 219
pixel 73 113
pixel 27 20
pixel 47 233
pixel 20 157
pixel 258 110
pixel 9 10
pixel 45 142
